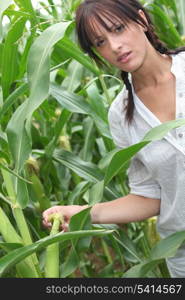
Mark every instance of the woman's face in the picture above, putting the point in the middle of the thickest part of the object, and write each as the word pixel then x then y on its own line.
pixel 123 46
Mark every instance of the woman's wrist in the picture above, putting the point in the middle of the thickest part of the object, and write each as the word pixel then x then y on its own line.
pixel 95 213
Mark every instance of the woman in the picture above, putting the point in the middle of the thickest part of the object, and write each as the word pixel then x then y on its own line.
pixel 122 33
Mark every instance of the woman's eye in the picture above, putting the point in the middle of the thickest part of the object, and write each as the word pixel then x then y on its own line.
pixel 99 43
pixel 119 28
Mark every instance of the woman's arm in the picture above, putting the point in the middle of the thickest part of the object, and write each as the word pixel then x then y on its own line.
pixel 130 208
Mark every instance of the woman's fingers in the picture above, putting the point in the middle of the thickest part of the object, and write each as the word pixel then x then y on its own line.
pixel 66 213
pixel 47 213
pixel 65 227
pixel 46 224
pixel 47 217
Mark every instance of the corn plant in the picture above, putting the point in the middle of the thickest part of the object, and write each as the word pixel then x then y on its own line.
pixel 56 148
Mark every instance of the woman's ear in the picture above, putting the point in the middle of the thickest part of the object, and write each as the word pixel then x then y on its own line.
pixel 142 15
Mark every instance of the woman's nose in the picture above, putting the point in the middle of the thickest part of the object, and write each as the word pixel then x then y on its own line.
pixel 115 44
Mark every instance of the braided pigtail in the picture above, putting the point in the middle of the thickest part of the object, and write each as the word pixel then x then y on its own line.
pixel 130 101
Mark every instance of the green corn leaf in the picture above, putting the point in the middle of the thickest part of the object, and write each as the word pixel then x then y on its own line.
pixel 71 263
pixel 165 24
pixel 170 4
pixel 64 117
pixel 107 272
pixel 18 255
pixel 24 57
pixel 7 230
pixel 122 157
pixel 13 173
pixel 74 76
pixel 76 103
pixel 4 5
pixel 11 99
pixel 10 55
pixel 89 139
pixel 72 50
pixel 79 221
pixel 96 193
pixel 70 101
pixel 26 4
pixel 19 141
pixel 96 101
pixel 22 193
pixel 77 192
pixel 38 75
pixel 165 248
pixel 18 129
pixel 10 237
pixel 9 246
pixel 17 13
pixel 38 64
pixel 118 250
pixel 106 159
pixel 160 131
pixel 128 246
pixel 86 170
pixel 141 270
pixel 181 10
pixel 4 157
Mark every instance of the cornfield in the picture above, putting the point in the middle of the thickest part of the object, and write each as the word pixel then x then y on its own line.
pixel 56 148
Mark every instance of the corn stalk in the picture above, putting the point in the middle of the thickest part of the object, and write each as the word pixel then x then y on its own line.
pixel 52 263
pixel 21 224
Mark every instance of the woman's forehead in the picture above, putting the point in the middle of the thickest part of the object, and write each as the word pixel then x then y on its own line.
pixel 98 27
pixel 98 24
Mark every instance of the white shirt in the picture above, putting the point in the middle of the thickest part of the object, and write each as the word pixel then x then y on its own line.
pixel 157 170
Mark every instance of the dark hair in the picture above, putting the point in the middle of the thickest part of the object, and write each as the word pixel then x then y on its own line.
pixel 111 9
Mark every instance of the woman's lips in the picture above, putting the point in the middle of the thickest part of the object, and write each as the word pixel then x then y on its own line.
pixel 124 58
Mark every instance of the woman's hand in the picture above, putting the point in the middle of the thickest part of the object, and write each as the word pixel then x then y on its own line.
pixel 66 213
